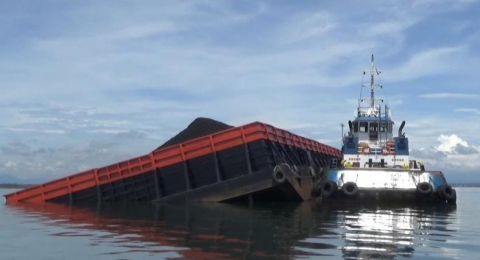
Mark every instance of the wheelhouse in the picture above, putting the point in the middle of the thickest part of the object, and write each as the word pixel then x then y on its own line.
pixel 370 140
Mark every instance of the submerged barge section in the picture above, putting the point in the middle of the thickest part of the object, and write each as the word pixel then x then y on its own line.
pixel 255 159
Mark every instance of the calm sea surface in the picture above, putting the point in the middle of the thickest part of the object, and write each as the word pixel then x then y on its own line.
pixel 218 231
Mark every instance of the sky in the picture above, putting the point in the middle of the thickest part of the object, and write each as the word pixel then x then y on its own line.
pixel 88 83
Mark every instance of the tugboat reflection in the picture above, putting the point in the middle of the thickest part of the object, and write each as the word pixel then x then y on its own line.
pixel 390 231
pixel 222 231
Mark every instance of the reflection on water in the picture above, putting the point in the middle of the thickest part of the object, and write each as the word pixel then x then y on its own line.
pixel 222 231
pixel 388 232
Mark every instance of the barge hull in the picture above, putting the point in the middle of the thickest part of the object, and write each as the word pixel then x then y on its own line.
pixel 218 167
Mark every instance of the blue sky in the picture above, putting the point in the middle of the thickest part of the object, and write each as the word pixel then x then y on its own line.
pixel 88 83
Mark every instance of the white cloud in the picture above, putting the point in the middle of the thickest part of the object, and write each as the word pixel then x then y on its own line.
pixel 451 144
pixel 452 154
pixel 34 130
pixel 144 30
pixel 308 26
pixel 428 62
pixel 10 165
pixel 424 130
pixel 468 110
pixel 450 95
pixel 393 26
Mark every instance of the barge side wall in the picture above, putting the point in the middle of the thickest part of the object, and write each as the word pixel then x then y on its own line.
pixel 185 166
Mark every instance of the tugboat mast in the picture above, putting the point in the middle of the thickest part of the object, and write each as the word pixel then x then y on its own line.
pixel 372 84
pixel 369 109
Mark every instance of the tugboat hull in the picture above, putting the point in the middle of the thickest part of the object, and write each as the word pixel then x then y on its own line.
pixel 388 184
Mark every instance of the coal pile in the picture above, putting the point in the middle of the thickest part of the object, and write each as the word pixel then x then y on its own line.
pixel 199 127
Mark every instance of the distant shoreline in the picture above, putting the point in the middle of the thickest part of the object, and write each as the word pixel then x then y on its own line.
pixel 15 185
pixel 466 184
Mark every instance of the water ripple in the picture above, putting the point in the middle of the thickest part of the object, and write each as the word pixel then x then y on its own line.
pixel 218 231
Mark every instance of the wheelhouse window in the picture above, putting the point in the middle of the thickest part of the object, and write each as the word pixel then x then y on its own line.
pixel 383 127
pixel 390 127
pixel 373 127
pixel 355 127
pixel 363 127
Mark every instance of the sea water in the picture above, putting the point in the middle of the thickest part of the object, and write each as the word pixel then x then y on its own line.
pixel 306 230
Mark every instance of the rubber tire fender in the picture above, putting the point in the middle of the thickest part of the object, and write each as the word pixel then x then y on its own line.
pixel 449 194
pixel 453 201
pixel 424 188
pixel 350 189
pixel 328 188
pixel 279 175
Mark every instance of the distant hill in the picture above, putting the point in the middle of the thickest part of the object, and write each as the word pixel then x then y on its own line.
pixel 14 186
pixel 8 179
pixel 466 184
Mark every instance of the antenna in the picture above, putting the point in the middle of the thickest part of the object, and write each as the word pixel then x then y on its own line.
pixel 342 125
pixel 361 91
pixel 370 104
pixel 373 71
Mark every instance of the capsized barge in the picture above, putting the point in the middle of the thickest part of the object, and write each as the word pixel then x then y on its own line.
pixel 376 165
pixel 251 162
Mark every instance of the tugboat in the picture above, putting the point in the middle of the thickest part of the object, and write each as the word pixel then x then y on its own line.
pixel 376 164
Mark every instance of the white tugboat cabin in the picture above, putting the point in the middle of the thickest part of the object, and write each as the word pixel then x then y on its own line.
pixel 369 142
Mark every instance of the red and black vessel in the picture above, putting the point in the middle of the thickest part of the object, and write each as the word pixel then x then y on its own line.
pixel 254 162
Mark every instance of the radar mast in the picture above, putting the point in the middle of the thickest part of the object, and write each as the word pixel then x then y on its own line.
pixel 373 72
